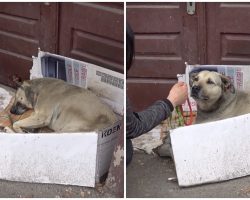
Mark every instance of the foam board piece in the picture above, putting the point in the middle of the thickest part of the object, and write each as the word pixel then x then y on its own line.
pixel 212 152
pixel 47 158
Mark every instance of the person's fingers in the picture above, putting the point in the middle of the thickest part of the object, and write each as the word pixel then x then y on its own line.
pixel 180 83
pixel 185 86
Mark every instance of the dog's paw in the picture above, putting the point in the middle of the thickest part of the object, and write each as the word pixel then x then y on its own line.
pixel 8 130
pixel 17 129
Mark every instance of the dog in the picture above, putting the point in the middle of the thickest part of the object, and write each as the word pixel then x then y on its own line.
pixel 60 106
pixel 216 97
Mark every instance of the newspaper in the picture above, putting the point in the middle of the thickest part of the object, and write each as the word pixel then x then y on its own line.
pixel 105 83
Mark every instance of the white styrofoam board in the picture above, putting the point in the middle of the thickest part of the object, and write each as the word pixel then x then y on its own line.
pixel 49 158
pixel 212 152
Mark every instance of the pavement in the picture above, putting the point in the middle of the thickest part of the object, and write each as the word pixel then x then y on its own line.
pixel 147 176
pixel 9 189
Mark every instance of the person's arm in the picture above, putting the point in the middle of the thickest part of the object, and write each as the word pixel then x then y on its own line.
pixel 142 122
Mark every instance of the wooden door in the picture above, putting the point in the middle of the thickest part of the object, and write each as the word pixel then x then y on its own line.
pixel 165 38
pixel 23 28
pixel 228 35
pixel 93 32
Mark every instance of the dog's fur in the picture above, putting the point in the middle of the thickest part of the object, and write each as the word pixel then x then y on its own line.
pixel 60 106
pixel 216 97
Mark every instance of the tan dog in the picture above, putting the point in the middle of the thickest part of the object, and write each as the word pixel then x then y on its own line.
pixel 60 106
pixel 216 97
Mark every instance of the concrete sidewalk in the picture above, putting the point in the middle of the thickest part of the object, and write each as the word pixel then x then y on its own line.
pixel 147 176
pixel 9 189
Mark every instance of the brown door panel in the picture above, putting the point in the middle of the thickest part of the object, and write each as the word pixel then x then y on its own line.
pixel 22 10
pixel 158 45
pixel 101 43
pixel 9 41
pixel 228 33
pixel 156 67
pixel 165 38
pixel 18 25
pixel 148 91
pixel 13 64
pixel 24 28
pixel 154 17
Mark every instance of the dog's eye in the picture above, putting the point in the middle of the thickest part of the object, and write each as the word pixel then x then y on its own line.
pixel 209 81
pixel 21 98
pixel 196 78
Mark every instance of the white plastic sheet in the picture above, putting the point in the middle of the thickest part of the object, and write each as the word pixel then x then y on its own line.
pixel 46 158
pixel 212 152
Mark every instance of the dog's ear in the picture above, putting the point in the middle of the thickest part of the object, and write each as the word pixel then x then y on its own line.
pixel 226 83
pixel 26 83
pixel 30 95
pixel 17 80
pixel 192 76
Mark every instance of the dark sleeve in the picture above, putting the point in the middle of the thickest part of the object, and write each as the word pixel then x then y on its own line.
pixel 142 122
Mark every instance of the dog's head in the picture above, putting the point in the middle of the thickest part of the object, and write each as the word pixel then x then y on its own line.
pixel 207 87
pixel 24 98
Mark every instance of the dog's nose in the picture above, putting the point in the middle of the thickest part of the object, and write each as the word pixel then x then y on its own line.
pixel 13 110
pixel 195 89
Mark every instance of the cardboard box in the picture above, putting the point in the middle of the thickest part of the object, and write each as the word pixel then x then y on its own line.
pixel 214 151
pixel 81 159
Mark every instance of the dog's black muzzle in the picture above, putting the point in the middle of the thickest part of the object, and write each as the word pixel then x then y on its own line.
pixel 18 109
pixel 195 91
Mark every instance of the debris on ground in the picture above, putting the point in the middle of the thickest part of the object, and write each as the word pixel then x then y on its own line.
pixel 154 138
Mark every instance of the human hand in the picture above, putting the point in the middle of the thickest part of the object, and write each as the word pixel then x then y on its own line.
pixel 178 94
